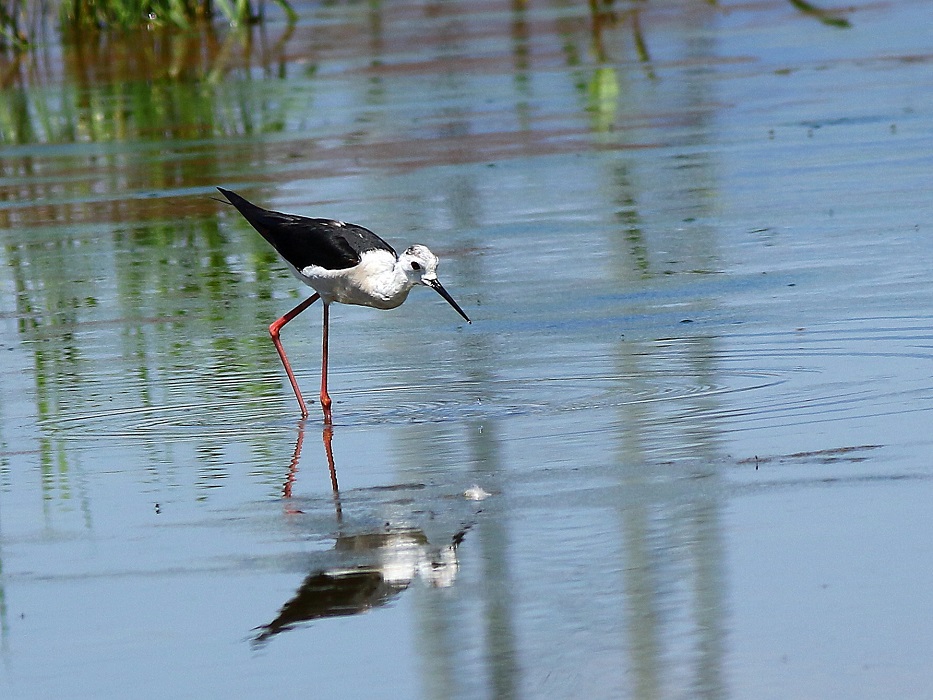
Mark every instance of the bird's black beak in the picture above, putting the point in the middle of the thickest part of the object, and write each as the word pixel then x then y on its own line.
pixel 439 288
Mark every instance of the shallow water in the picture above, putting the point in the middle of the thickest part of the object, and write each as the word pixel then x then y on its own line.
pixel 683 450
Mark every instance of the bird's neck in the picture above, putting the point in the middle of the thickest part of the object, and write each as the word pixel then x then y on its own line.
pixel 397 284
pixel 383 283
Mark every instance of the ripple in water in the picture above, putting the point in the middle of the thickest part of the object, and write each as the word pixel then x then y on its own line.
pixel 786 378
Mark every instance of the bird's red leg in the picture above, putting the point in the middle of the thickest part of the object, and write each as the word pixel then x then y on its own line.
pixel 325 397
pixel 274 332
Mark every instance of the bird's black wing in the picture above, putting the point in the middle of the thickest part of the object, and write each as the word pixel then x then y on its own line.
pixel 303 241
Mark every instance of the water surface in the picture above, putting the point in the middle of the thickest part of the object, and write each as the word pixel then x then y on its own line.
pixel 683 450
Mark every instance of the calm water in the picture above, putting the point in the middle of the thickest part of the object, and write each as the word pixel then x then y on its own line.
pixel 683 451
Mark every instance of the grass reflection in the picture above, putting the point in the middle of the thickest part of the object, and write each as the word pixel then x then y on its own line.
pixel 149 86
pixel 827 17
pixel 21 21
pixel 108 310
pixel 173 287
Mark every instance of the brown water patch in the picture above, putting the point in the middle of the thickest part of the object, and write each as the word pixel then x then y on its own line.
pixel 306 158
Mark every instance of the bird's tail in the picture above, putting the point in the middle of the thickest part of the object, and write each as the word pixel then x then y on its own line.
pixel 263 220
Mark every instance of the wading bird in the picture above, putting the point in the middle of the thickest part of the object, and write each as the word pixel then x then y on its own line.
pixel 342 262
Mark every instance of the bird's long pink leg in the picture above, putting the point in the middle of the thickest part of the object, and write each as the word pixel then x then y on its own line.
pixel 325 397
pixel 274 332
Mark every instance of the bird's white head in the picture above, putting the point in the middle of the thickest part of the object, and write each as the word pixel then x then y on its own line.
pixel 419 265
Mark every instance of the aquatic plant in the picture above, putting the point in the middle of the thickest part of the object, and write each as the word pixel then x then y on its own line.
pixel 134 13
pixel 826 17
pixel 19 19
pixel 13 33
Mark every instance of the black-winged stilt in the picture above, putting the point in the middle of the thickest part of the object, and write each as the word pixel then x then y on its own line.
pixel 341 262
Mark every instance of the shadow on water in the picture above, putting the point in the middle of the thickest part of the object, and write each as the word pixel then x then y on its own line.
pixel 379 548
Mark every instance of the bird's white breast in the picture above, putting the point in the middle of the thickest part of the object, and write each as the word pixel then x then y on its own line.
pixel 376 281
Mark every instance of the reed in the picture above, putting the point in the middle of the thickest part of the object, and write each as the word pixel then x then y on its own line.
pixel 19 18
pixel 14 29
pixel 129 14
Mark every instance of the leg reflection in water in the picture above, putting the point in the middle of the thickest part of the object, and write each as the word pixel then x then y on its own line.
pixel 327 437
pixel 380 544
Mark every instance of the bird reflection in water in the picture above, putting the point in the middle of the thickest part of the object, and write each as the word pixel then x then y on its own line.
pixel 368 566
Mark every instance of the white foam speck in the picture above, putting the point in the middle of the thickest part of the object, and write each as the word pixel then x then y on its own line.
pixel 476 493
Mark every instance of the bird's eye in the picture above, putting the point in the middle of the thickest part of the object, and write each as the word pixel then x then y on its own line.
pixel 415 266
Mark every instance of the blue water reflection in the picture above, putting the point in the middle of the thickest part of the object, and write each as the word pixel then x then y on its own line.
pixel 683 446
